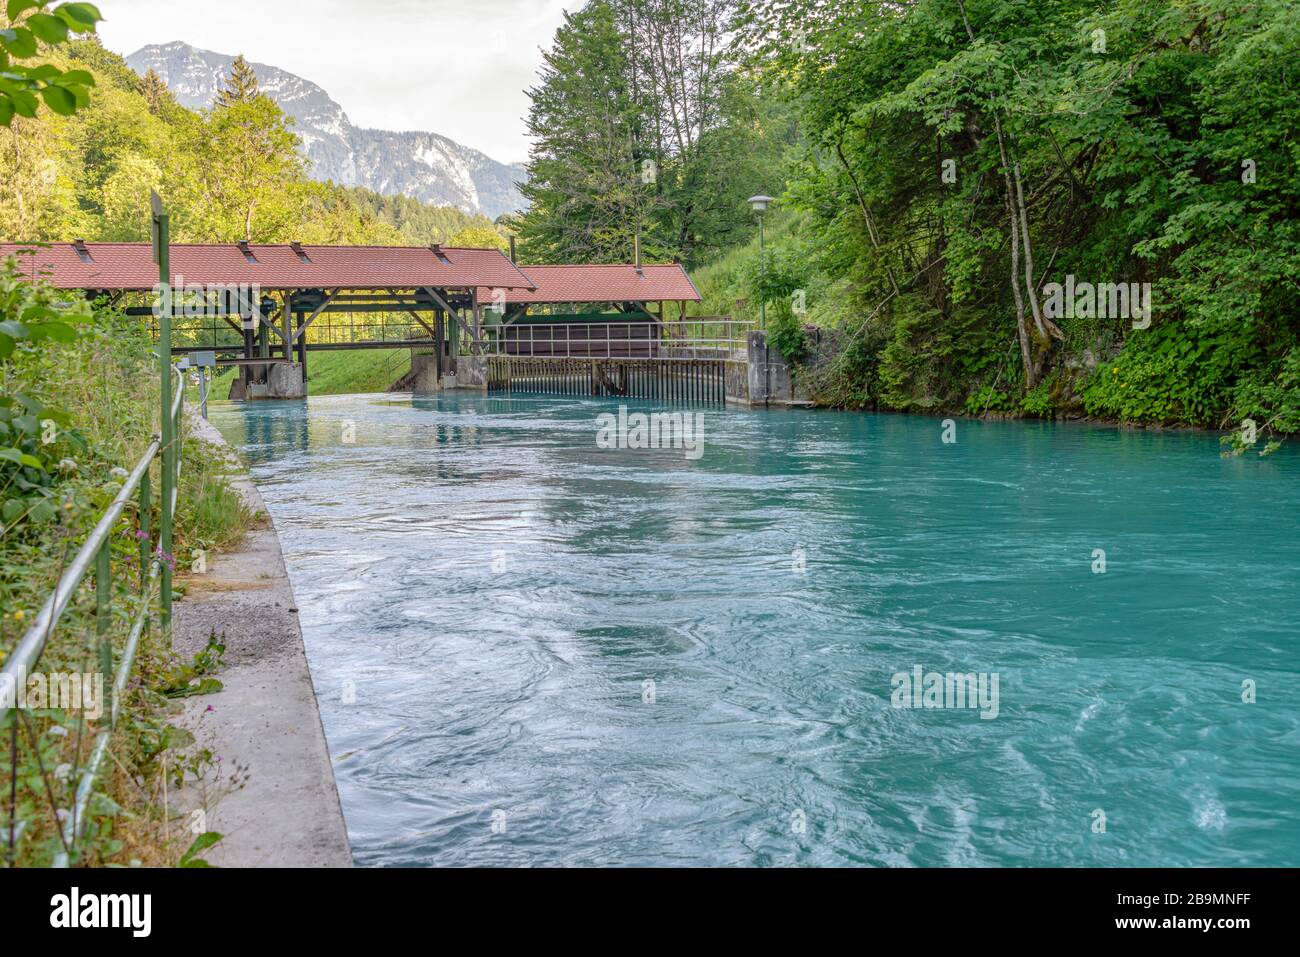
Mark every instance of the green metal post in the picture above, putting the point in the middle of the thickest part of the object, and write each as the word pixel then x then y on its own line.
pixel 162 254
pixel 453 341
pixel 762 273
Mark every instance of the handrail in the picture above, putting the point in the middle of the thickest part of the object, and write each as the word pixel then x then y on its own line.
pixel 600 339
pixel 96 551
pixel 76 821
pixel 33 642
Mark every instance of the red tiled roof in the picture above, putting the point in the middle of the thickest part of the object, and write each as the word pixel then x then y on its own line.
pixel 618 283
pixel 130 266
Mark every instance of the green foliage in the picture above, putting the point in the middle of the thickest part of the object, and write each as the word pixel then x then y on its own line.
pixel 1165 155
pixel 35 440
pixel 227 174
pixel 203 842
pixel 416 223
pixel 644 126
pixel 1172 374
pixel 196 677
pixel 104 378
pixel 244 188
pixel 26 25
pixel 241 86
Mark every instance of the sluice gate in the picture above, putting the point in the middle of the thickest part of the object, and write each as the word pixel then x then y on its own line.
pixel 669 380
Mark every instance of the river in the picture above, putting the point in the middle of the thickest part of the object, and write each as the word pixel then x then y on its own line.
pixel 530 650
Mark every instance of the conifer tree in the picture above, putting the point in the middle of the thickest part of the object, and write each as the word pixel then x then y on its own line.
pixel 241 86
pixel 154 91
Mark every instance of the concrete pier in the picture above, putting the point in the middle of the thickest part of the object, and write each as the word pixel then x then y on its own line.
pixel 470 374
pixel 274 380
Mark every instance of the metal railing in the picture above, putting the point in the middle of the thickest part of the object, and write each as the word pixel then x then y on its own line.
pixel 706 338
pixel 96 552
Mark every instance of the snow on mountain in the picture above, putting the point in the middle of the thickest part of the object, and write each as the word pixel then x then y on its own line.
pixel 426 166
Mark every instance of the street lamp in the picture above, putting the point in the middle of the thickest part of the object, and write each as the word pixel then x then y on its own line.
pixel 760 204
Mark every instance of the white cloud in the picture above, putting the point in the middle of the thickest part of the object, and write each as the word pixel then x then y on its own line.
pixel 456 67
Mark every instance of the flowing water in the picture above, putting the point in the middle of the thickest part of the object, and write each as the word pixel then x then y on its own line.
pixel 531 650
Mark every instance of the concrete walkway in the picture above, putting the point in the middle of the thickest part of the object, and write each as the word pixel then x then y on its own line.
pixel 264 725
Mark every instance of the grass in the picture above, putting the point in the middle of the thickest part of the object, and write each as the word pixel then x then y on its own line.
pixel 106 381
pixel 212 514
pixel 337 373
pixel 724 280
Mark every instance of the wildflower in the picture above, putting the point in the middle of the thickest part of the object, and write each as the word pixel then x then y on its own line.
pixel 18 614
pixel 63 772
pixel 68 465
pixel 58 730
pixel 118 472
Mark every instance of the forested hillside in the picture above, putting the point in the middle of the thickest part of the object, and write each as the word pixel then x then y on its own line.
pixel 970 191
pixel 228 174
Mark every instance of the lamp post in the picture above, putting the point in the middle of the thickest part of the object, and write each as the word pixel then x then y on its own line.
pixel 760 204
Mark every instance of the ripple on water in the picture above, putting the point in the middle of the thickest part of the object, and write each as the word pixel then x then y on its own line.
pixel 530 651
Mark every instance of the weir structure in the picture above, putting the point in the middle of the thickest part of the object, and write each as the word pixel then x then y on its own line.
pixel 471 318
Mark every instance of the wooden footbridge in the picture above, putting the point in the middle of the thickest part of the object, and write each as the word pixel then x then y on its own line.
pixel 471 318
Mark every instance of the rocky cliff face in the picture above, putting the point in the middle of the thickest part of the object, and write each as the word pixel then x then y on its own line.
pixel 426 166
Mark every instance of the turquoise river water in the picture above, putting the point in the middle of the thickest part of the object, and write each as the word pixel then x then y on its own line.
pixel 532 650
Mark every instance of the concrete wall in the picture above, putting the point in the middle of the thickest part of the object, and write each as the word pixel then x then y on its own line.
pixel 768 377
pixel 471 373
pixel 283 381
pixel 424 374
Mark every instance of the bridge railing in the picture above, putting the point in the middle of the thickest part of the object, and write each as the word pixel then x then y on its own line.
pixel 704 338
pixel 96 554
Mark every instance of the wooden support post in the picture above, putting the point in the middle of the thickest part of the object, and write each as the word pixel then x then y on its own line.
pixel 286 321
pixel 246 320
pixel 438 337
pixel 477 313
pixel 301 335
pixel 453 341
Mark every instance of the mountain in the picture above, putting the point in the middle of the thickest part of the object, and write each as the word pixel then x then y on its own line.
pixel 426 166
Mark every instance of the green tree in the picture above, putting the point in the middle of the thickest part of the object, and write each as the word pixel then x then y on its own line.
pixel 417 223
pixel 154 91
pixel 584 182
pixel 644 127
pixel 245 183
pixel 241 86
pixel 479 236
pixel 959 156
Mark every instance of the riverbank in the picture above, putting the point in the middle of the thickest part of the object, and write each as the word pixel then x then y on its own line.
pixel 270 791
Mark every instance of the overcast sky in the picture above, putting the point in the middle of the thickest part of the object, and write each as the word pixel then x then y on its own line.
pixel 455 67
